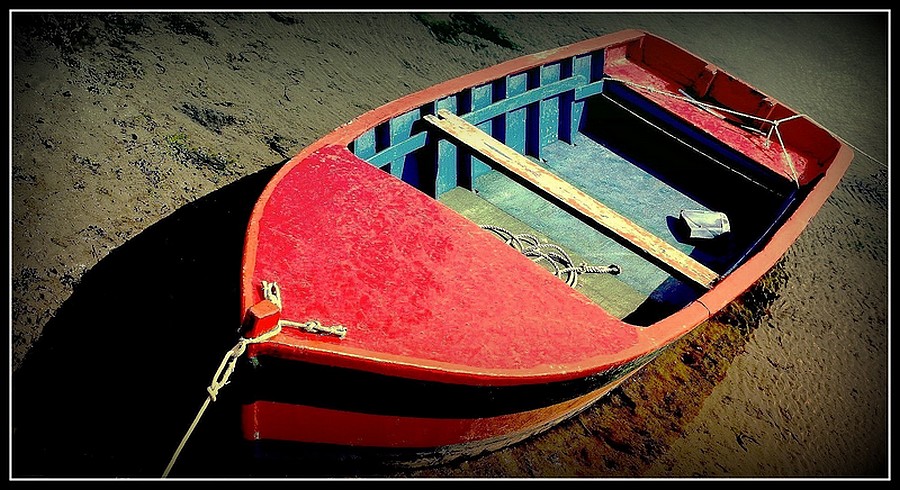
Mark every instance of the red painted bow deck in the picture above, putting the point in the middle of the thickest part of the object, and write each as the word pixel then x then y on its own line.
pixel 415 281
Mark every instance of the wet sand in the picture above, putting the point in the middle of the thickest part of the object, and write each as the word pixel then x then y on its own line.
pixel 140 141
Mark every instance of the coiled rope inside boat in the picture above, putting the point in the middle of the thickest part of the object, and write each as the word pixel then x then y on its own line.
pixel 562 264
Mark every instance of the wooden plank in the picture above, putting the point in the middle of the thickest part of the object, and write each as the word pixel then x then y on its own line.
pixel 400 129
pixel 581 65
pixel 589 90
pixel 518 99
pixel 364 146
pixel 548 128
pixel 482 96
pixel 397 152
pixel 516 85
pixel 572 197
pixel 518 96
pixel 447 165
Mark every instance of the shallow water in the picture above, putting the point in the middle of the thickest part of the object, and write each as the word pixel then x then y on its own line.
pixel 139 143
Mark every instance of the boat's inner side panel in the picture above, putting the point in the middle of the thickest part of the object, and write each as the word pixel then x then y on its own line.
pixel 563 118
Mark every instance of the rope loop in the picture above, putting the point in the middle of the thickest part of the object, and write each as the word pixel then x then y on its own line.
pixel 226 367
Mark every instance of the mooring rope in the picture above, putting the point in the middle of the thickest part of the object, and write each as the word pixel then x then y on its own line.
pixel 220 379
pixel 271 292
pixel 563 265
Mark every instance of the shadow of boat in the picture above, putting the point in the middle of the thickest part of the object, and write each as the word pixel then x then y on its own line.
pixel 119 372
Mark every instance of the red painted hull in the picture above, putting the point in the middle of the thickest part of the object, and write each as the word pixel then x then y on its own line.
pixel 329 229
pixel 416 440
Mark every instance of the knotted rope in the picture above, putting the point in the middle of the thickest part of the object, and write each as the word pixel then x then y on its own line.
pixel 563 265
pixel 272 293
pixel 220 379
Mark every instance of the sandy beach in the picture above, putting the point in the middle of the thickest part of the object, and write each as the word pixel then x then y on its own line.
pixel 140 141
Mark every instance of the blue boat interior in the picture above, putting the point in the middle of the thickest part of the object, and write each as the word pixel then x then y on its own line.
pixel 611 143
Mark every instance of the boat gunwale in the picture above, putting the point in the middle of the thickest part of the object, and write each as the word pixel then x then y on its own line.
pixel 649 338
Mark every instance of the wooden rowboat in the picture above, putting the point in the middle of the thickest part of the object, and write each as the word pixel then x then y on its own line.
pixel 473 263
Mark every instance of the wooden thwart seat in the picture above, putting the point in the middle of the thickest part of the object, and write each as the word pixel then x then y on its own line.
pixel 562 192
